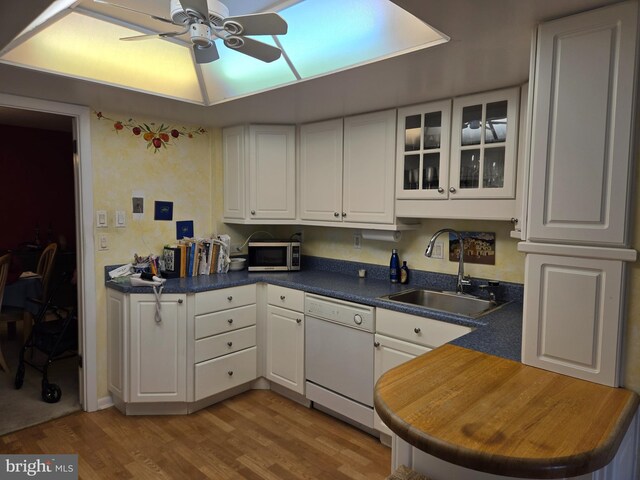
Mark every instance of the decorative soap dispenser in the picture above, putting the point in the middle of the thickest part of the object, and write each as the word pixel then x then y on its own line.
pixel 404 273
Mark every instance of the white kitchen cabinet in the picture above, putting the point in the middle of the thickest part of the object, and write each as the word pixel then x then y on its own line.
pixel 484 141
pixel 448 157
pixel 577 224
pixel 321 171
pixel 347 171
pixel 157 348
pixel 573 316
pixel 401 337
pixel 285 338
pixel 422 155
pixel 581 155
pixel 259 173
pixel 225 340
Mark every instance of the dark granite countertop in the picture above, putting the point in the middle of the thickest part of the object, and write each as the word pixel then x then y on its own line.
pixel 498 333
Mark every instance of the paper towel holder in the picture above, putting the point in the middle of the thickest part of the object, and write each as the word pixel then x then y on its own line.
pixel 382 235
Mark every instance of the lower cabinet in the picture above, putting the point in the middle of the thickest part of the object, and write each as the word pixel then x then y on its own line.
pixel 225 352
pixel 285 338
pixel 401 337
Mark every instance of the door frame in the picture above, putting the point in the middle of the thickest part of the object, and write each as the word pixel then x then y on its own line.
pixel 85 245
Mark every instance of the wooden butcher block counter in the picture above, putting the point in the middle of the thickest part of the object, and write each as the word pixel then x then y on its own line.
pixel 500 416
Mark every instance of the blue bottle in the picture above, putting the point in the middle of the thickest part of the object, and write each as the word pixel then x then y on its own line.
pixel 394 266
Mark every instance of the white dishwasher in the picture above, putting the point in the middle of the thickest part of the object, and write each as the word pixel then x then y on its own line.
pixel 339 356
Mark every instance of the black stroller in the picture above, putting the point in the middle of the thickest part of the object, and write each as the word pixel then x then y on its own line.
pixel 55 334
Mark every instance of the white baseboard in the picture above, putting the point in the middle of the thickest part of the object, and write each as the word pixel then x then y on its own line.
pixel 105 402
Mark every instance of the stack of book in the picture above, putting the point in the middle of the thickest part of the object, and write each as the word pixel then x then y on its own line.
pixel 191 257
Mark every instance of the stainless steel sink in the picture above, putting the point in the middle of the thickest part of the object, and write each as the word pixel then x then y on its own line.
pixel 445 301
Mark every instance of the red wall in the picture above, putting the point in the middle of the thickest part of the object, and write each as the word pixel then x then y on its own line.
pixel 36 186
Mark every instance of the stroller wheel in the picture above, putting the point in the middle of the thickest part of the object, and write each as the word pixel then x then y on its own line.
pixel 51 393
pixel 19 376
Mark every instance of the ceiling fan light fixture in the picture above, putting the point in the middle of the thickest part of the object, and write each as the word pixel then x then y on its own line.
pixel 200 34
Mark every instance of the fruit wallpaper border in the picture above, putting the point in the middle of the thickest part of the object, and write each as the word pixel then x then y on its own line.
pixel 157 137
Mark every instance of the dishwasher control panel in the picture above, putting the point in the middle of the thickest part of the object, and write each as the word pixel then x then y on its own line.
pixel 340 311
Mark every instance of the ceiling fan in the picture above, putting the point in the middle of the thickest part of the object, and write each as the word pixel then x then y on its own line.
pixel 206 20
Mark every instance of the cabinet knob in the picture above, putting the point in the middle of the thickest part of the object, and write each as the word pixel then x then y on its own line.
pixel 282 297
pixel 344 214
pixel 336 214
pixel 376 344
pixel 180 300
pixel 452 189
pixel 514 221
pixel 440 190
pixel 417 330
pixel 253 212
pixel 230 297
pixel 230 321
pixel 298 320
pixel 230 373
pixel 229 344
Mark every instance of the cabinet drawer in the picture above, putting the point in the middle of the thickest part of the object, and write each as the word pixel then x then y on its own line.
pixel 225 321
pixel 218 345
pixel 420 330
pixel 220 374
pixel 216 300
pixel 286 298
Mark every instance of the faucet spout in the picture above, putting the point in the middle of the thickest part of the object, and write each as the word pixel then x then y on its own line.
pixel 462 280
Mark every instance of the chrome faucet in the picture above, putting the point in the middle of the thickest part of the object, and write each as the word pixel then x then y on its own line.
pixel 462 280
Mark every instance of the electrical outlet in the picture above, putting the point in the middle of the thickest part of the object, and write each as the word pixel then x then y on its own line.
pixel 438 250
pixel 357 240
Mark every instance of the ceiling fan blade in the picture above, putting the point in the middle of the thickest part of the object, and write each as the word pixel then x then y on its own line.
pixel 162 19
pixel 197 7
pixel 256 24
pixel 253 48
pixel 154 35
pixel 206 54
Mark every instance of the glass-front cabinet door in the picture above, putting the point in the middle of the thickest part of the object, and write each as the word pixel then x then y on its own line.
pixel 484 145
pixel 422 158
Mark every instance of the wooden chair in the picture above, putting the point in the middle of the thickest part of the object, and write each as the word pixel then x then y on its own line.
pixel 13 315
pixel 5 260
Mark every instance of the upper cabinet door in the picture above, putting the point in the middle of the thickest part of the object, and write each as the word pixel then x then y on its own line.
pixel 321 171
pixel 581 129
pixel 484 141
pixel 422 156
pixel 272 172
pixel 233 164
pixel 369 167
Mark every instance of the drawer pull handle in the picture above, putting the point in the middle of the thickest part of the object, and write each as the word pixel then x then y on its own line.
pixel 179 300
pixel 417 330
pixel 230 321
pixel 230 344
pixel 230 372
pixel 298 320
pixel 376 344
pixel 282 297
pixel 230 297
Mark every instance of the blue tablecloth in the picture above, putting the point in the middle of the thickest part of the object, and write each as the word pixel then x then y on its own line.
pixel 17 293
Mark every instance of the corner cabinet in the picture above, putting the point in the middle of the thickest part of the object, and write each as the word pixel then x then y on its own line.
pixel 259 173
pixel 347 171
pixel 449 156
pixel 147 347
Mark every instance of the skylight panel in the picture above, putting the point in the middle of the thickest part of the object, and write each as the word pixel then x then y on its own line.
pixel 82 46
pixel 330 35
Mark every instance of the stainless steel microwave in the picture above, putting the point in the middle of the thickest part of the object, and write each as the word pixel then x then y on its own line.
pixel 274 256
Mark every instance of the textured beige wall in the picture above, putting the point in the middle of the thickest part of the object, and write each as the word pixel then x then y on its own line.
pixel 180 173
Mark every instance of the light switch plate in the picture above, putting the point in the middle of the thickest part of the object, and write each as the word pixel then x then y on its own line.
pixel 103 242
pixel 120 218
pixel 101 219
pixel 357 240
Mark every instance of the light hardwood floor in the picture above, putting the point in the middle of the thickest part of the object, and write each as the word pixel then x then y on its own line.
pixel 255 435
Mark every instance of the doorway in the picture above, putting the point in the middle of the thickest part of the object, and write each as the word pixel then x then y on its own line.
pixel 85 260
